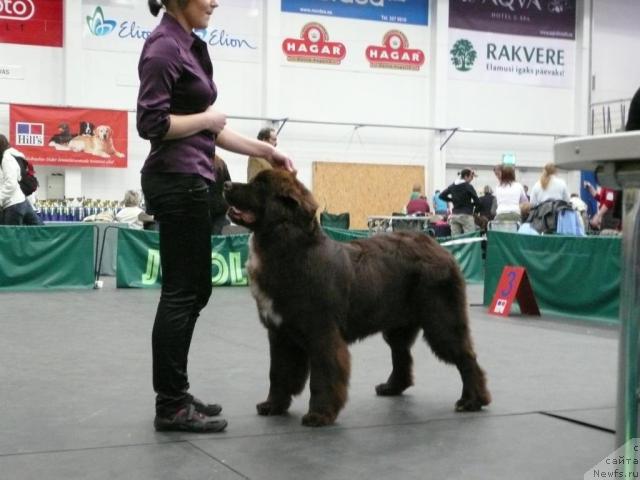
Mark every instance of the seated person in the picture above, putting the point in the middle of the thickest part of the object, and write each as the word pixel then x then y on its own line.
pixel 131 212
pixel 418 204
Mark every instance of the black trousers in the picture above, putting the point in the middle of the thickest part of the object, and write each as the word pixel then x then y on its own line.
pixel 180 205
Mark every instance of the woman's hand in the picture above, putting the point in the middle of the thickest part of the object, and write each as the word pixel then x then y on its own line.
pixel 282 160
pixel 215 120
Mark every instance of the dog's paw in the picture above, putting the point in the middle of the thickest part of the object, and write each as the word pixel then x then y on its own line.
pixel 270 408
pixel 468 405
pixel 313 419
pixel 389 390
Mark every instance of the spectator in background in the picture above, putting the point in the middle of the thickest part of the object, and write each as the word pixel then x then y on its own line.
pixel 218 206
pixel 526 192
pixel 488 204
pixel 418 204
pixel 604 219
pixel 549 187
pixel 464 200
pixel 130 214
pixel 581 207
pixel 439 205
pixel 15 209
pixel 497 171
pixel 256 164
pixel 509 196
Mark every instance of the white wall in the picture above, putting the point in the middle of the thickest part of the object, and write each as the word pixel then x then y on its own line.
pixel 616 43
pixel 274 88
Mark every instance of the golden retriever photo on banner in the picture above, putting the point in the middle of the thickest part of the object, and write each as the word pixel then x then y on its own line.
pixel 100 143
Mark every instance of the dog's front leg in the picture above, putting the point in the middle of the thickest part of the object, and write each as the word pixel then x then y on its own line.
pixel 330 368
pixel 287 374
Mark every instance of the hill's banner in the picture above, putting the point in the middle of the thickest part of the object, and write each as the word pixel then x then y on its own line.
pixel 412 12
pixel 535 18
pixel 234 33
pixel 69 137
pixel 528 42
pixel 31 22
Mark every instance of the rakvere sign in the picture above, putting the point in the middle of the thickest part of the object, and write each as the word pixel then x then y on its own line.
pixel 479 56
pixel 313 46
pixel 395 53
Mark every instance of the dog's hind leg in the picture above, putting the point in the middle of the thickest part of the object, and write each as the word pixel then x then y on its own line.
pixel 330 368
pixel 446 330
pixel 400 340
pixel 287 374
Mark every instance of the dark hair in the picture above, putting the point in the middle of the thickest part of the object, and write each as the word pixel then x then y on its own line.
pixel 265 133
pixel 465 172
pixel 4 144
pixel 156 5
pixel 508 175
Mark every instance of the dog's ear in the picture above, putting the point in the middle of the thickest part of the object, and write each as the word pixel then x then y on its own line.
pixel 297 194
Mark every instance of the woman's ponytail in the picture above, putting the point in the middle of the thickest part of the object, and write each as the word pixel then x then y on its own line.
pixel 154 7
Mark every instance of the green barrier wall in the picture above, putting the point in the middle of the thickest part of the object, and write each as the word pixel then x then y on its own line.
pixel 138 261
pixel 570 276
pixel 46 258
pixel 467 250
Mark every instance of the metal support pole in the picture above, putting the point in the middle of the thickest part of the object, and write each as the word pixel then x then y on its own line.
pixel 627 411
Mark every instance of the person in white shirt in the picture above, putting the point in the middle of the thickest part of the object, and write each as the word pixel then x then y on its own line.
pixel 14 207
pixel 509 196
pixel 131 212
pixel 549 187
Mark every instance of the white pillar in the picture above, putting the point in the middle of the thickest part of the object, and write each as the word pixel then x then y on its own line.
pixel 437 163
pixel 73 23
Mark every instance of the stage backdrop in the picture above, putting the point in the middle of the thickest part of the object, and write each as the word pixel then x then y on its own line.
pixel 70 137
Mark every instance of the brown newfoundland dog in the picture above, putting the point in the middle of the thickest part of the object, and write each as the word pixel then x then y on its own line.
pixel 316 295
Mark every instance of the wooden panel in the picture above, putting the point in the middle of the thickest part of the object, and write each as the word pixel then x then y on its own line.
pixel 364 189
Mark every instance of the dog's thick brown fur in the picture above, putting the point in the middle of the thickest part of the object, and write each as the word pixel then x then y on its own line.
pixel 316 295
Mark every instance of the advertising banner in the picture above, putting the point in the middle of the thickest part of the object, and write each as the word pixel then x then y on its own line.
pixel 138 257
pixel 69 137
pixel 538 18
pixel 138 262
pixel 334 42
pixel 234 32
pixel 413 12
pixel 490 57
pixel 31 22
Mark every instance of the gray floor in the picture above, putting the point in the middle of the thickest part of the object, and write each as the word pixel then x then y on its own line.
pixel 77 402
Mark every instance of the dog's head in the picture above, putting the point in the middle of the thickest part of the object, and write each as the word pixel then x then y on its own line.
pixel 103 132
pixel 86 128
pixel 63 129
pixel 272 198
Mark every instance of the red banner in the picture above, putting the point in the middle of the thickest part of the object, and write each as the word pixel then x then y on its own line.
pixel 70 137
pixel 31 22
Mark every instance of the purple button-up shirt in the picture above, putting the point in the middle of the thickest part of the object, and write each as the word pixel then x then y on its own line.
pixel 176 77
